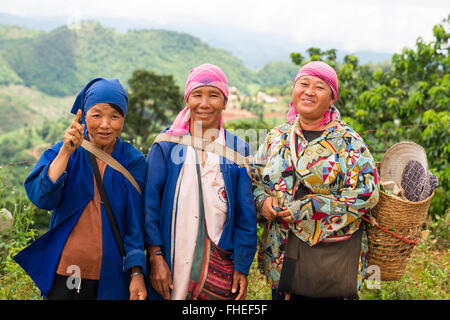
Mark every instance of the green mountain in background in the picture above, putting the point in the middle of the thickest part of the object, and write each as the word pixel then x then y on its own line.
pixel 61 61
pixel 23 107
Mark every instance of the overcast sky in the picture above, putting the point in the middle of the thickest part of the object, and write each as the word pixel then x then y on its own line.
pixel 377 25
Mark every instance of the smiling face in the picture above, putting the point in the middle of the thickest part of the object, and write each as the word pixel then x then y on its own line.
pixel 104 124
pixel 311 97
pixel 206 104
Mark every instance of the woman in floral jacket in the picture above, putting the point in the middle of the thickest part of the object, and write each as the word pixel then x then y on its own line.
pixel 314 196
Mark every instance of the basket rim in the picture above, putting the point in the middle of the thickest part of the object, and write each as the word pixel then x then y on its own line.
pixel 407 201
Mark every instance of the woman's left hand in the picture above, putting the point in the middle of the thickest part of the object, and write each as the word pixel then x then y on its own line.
pixel 137 288
pixel 239 281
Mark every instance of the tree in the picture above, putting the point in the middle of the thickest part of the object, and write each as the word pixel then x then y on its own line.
pixel 153 102
pixel 255 108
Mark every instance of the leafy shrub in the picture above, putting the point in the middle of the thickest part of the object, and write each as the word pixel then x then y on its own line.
pixel 14 282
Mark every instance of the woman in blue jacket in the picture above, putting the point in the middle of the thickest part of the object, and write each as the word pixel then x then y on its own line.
pixel 79 258
pixel 171 196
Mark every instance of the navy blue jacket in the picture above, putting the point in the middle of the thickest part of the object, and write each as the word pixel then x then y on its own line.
pixel 68 198
pixel 164 163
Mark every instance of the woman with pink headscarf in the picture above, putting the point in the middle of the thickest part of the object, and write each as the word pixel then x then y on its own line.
pixel 315 178
pixel 174 202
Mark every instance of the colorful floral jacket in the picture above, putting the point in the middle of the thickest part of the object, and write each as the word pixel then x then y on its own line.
pixel 340 174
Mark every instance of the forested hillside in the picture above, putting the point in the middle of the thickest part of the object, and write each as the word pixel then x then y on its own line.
pixel 22 107
pixel 60 62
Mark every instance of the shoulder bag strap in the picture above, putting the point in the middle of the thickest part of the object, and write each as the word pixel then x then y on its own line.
pixel 201 205
pixel 106 204
pixel 113 163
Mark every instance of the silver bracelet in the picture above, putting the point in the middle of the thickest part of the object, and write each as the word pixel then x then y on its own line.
pixel 136 273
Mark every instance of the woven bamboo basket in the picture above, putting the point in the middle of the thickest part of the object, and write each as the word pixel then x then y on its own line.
pixel 401 218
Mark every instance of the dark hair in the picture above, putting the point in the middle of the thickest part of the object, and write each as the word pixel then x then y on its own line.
pixel 117 108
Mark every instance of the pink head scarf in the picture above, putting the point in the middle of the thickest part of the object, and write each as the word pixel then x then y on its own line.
pixel 326 73
pixel 204 75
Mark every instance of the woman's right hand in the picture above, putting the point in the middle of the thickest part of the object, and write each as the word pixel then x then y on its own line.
pixel 72 140
pixel 74 135
pixel 268 211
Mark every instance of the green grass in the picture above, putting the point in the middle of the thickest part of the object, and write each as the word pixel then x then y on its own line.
pixel 258 288
pixel 14 282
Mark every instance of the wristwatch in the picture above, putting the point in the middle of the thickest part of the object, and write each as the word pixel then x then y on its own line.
pixel 159 253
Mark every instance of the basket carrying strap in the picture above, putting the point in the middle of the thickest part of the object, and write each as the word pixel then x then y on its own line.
pixel 373 222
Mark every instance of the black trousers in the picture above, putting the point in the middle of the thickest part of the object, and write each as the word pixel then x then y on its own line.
pixel 62 291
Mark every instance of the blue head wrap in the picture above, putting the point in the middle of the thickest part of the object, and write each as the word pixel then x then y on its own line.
pixel 101 90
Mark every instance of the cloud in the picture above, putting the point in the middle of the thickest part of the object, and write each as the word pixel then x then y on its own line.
pixel 382 25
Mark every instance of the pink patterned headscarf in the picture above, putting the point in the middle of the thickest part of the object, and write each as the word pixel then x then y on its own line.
pixel 326 73
pixel 204 75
